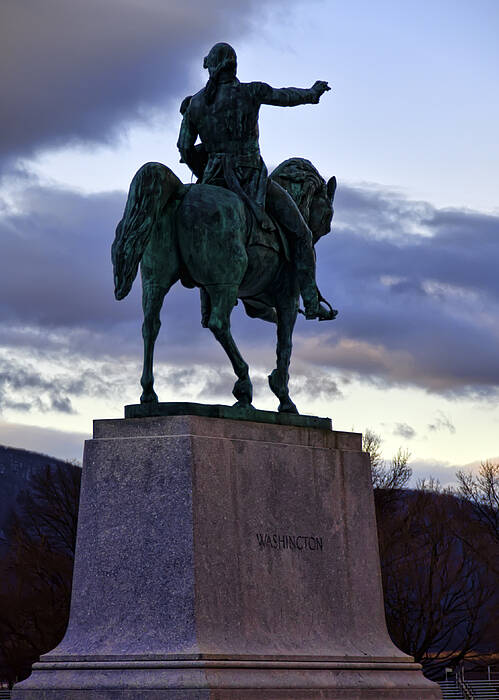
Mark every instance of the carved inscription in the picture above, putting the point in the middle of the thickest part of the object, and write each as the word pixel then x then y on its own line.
pixel 294 542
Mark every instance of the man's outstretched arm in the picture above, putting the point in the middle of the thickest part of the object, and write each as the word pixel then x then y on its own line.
pixel 290 96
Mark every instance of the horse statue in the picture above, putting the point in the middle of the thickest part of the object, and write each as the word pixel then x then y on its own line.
pixel 206 237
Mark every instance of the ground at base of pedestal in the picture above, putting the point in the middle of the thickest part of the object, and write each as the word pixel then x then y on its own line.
pixel 240 694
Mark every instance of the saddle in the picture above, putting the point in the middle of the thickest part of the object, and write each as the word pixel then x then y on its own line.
pixel 264 229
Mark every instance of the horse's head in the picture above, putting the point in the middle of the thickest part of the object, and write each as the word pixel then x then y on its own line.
pixel 321 210
pixel 313 196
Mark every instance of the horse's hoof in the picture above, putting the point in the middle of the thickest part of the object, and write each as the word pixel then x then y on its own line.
pixel 287 407
pixel 246 406
pixel 243 391
pixel 149 397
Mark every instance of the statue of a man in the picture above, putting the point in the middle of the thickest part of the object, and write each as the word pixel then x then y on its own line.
pixel 224 114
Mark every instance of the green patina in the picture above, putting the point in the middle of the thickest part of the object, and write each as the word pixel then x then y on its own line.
pixel 246 413
pixel 236 233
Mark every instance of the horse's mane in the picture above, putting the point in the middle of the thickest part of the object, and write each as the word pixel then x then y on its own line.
pixel 301 179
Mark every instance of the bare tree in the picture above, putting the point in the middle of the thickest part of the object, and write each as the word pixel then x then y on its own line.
pixel 35 588
pixel 371 443
pixel 482 491
pixel 438 595
pixel 34 603
pixel 49 509
pixel 386 475
pixel 388 478
pixel 435 563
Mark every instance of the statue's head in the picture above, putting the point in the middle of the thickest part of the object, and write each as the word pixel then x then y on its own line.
pixel 221 61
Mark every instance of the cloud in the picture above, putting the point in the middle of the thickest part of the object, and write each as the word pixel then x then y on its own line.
pixel 404 430
pixel 56 443
pixel 76 71
pixel 55 265
pixel 442 422
pixel 34 381
pixel 443 472
pixel 476 464
pixel 416 288
pixel 23 388
pixel 417 291
pixel 314 385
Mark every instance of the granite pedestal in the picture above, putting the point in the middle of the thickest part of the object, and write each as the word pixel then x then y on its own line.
pixel 225 560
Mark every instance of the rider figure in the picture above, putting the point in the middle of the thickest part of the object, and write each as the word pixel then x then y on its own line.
pixel 224 114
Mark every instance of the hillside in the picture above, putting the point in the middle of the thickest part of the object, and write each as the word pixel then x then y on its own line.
pixel 38 515
pixel 17 469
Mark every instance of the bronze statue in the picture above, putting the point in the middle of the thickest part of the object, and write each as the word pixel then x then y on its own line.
pixel 234 234
pixel 224 115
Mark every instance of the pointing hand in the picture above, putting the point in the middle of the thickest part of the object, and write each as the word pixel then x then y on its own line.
pixel 320 87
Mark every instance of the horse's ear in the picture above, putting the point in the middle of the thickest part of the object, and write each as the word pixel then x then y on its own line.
pixel 331 188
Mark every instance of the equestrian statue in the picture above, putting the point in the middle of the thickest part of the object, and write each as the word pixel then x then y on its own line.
pixel 237 233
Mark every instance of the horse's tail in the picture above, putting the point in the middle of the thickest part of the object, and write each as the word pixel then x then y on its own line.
pixel 151 189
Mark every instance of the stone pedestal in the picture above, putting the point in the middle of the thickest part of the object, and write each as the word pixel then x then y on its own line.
pixel 225 560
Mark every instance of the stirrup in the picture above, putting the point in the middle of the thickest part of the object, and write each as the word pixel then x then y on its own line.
pixel 320 313
pixel 327 315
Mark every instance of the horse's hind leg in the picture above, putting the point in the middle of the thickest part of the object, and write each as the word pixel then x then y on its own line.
pixel 152 301
pixel 279 378
pixel 223 299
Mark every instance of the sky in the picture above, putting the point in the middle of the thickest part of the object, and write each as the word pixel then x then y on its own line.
pixel 91 91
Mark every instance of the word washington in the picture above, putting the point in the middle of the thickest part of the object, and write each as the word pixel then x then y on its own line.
pixel 289 541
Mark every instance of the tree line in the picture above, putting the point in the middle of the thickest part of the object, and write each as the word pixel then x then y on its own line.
pixel 36 574
pixel 439 555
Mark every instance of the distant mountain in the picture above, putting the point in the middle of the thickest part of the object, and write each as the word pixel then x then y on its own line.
pixel 17 468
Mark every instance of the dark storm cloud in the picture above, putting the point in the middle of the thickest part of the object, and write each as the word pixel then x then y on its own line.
pixel 76 70
pixel 416 287
pixel 418 294
pixel 54 268
pixel 56 275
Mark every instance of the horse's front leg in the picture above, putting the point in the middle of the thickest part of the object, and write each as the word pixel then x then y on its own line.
pixel 279 378
pixel 223 299
pixel 152 300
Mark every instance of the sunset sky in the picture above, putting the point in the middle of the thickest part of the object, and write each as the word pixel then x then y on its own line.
pixel 91 91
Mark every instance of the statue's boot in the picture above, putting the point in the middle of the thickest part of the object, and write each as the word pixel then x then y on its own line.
pixel 286 212
pixel 312 298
